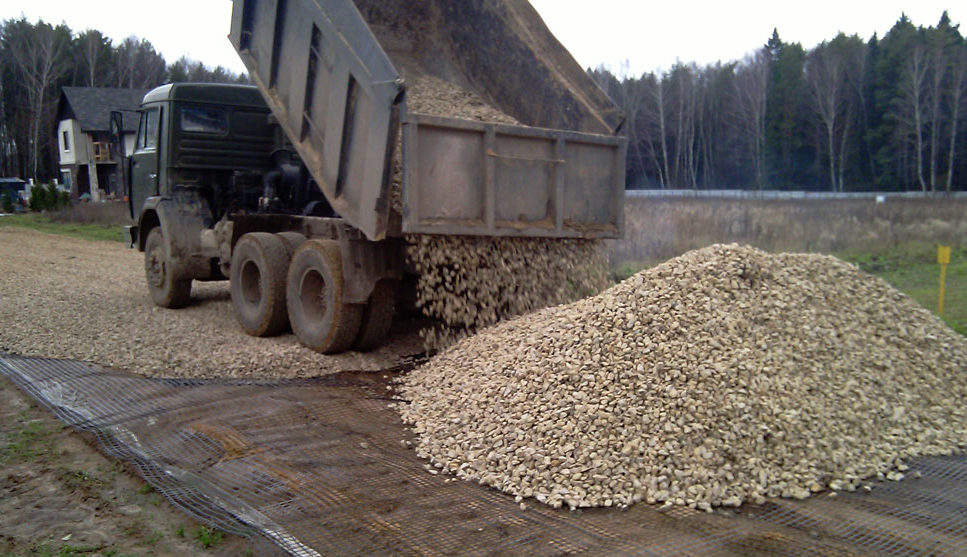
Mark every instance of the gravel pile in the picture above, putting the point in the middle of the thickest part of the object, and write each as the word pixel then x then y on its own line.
pixel 430 95
pixel 64 297
pixel 722 376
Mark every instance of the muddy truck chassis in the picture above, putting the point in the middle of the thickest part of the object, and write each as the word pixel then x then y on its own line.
pixel 286 188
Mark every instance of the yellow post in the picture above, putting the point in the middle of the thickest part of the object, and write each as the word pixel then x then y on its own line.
pixel 943 258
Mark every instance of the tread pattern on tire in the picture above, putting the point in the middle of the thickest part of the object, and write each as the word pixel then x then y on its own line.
pixel 268 314
pixel 292 241
pixel 336 330
pixel 377 317
pixel 172 294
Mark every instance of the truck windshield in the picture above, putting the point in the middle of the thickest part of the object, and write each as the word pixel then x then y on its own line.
pixel 198 119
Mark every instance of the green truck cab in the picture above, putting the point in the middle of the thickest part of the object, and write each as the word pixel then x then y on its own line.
pixel 194 137
pixel 211 171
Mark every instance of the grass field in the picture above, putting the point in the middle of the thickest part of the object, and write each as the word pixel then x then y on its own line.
pixel 45 223
pixel 913 269
pixel 657 229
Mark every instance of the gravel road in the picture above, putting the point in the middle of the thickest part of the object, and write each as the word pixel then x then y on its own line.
pixel 64 297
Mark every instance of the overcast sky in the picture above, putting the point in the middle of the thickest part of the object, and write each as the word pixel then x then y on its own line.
pixel 627 36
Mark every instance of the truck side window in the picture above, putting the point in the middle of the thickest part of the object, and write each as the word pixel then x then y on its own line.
pixel 139 144
pixel 148 130
pixel 151 137
pixel 200 119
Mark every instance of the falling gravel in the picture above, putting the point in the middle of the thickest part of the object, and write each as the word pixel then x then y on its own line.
pixel 64 297
pixel 467 283
pixel 722 376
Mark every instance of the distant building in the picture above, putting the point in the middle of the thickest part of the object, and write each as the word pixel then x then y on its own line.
pixel 16 187
pixel 87 162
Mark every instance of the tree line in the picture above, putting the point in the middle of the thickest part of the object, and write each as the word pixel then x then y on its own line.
pixel 37 59
pixel 886 114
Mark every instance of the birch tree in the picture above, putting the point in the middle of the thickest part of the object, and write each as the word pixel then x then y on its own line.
pixel 912 107
pixel 94 58
pixel 958 89
pixel 750 90
pixel 39 56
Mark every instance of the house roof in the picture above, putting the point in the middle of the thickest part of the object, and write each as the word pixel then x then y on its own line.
pixel 12 181
pixel 92 106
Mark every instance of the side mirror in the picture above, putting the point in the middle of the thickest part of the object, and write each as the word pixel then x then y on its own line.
pixel 117 133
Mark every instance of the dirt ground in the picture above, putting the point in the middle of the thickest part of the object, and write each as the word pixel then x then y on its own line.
pixel 60 496
pixel 63 297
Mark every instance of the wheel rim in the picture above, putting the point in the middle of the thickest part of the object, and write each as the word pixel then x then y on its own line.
pixel 250 282
pixel 156 267
pixel 312 295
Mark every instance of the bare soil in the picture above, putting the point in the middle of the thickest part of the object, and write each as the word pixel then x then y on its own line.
pixel 59 496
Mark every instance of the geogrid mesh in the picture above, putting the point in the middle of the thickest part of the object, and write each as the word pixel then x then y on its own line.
pixel 317 467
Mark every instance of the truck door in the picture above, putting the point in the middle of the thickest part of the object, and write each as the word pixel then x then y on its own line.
pixel 144 160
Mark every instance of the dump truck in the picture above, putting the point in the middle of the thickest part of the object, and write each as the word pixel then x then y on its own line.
pixel 300 190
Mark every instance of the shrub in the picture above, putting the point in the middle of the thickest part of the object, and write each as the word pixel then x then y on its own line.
pixel 38 199
pixel 48 198
pixel 7 202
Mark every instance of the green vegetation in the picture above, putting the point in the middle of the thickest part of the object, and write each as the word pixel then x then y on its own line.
pixel 208 537
pixel 43 223
pixel 79 480
pixel 913 270
pixel 30 441
pixel 48 198
pixel 7 202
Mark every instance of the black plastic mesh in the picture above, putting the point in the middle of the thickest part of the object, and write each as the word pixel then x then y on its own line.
pixel 317 467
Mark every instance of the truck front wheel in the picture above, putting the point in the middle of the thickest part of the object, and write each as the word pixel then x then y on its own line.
pixel 165 291
pixel 257 280
pixel 320 317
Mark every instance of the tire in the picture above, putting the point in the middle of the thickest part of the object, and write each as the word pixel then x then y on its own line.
pixel 165 291
pixel 377 317
pixel 257 278
pixel 292 241
pixel 314 294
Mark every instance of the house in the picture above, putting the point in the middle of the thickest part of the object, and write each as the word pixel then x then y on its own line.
pixel 88 162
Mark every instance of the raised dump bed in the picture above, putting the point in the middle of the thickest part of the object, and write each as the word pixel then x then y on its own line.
pixel 341 100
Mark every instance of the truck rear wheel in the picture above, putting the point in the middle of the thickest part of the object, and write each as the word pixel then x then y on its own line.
pixel 259 264
pixel 377 317
pixel 292 241
pixel 165 291
pixel 314 294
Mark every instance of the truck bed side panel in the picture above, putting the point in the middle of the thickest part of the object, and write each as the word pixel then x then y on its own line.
pixel 334 92
pixel 471 178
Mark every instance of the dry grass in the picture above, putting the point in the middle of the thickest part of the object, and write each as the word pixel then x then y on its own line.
pixel 658 229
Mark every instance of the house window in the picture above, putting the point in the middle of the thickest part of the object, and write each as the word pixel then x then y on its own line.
pixel 67 142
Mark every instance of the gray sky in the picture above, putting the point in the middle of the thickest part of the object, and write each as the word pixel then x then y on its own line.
pixel 628 36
